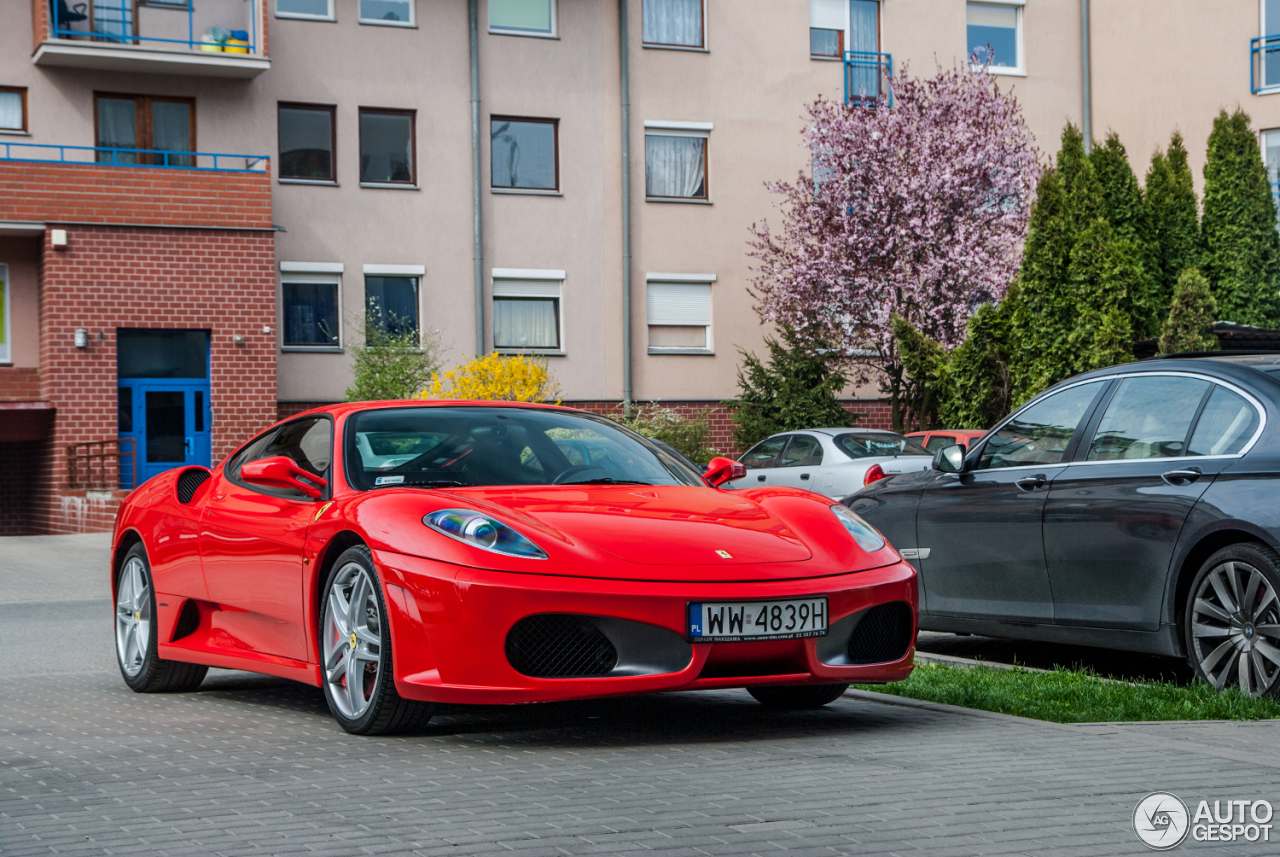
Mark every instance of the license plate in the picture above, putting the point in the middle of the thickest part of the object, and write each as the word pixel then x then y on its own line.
pixel 740 621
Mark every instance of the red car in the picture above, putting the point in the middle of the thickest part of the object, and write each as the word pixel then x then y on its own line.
pixel 936 439
pixel 399 554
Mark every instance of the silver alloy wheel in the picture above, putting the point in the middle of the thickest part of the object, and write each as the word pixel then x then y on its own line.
pixel 133 616
pixel 1235 628
pixel 352 640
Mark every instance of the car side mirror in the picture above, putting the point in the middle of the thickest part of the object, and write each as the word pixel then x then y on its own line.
pixel 280 471
pixel 949 459
pixel 722 470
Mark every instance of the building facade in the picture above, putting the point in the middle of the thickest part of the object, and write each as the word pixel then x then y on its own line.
pixel 200 202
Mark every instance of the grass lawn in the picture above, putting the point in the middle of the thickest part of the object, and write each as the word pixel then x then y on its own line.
pixel 1074 696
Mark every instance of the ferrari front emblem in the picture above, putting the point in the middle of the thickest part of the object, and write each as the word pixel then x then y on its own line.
pixel 724 555
pixel 353 639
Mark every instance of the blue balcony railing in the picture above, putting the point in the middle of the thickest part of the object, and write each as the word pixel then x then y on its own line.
pixel 219 27
pixel 867 75
pixel 36 153
pixel 1264 63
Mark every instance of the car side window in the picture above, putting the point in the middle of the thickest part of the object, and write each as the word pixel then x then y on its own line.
pixel 309 442
pixel 765 453
pixel 1040 433
pixel 1147 417
pixel 939 441
pixel 802 451
pixel 251 452
pixel 1226 425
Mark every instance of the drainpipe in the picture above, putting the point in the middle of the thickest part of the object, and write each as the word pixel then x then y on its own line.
pixel 626 205
pixel 477 251
pixel 1085 93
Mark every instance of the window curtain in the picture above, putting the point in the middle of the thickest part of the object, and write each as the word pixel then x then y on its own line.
pixel 392 304
pixel 673 22
pixel 310 314
pixel 674 166
pixel 523 154
pixel 525 323
pixel 112 20
pixel 864 36
pixel 171 131
pixel 1271 46
pixel 118 129
pixel 11 110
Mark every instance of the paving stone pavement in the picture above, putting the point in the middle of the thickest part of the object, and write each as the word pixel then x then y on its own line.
pixel 255 765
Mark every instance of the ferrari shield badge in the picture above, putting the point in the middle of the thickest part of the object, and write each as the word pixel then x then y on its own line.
pixel 724 554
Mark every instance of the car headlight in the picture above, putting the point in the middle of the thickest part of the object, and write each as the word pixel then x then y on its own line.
pixel 481 531
pixel 863 533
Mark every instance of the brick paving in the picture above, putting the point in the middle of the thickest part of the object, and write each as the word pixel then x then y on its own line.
pixel 254 765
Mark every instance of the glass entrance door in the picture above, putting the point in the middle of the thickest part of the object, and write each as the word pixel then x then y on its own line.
pixel 164 417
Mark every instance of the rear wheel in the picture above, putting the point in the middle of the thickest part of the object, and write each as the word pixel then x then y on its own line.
pixel 140 665
pixel 359 684
pixel 797 697
pixel 1232 620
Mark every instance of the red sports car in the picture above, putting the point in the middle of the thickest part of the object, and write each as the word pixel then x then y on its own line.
pixel 399 554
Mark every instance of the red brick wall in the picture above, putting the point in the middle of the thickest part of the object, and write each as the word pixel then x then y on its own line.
pixel 19 383
pixel 111 277
pixel 39 22
pixel 88 193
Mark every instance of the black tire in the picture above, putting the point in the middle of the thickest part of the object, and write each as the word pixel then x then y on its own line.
pixel 386 712
pixel 797 697
pixel 148 673
pixel 1220 624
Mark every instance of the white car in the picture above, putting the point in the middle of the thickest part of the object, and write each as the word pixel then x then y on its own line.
pixel 831 461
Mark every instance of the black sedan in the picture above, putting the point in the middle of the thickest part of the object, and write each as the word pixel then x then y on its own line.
pixel 1135 507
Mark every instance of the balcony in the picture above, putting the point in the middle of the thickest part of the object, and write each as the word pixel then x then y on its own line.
pixel 209 38
pixel 867 76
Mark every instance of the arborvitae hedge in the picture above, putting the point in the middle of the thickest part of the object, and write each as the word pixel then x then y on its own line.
pixel 1122 206
pixel 1191 316
pixel 1173 218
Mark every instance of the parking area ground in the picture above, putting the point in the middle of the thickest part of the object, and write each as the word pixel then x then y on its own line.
pixel 252 765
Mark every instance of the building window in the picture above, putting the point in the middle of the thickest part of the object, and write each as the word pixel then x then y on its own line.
pixel 393 13
pixel 674 23
pixel 1271 156
pixel 386 147
pixel 310 311
pixel 316 10
pixel 523 17
pixel 524 153
pixel 679 313
pixel 6 313
pixel 526 310
pixel 995 36
pixel 391 305
pixel 13 108
pixel 133 122
pixel 827 22
pixel 306 143
pixel 1269 46
pixel 675 160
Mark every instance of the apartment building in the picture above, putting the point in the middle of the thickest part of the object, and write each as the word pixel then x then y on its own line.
pixel 201 199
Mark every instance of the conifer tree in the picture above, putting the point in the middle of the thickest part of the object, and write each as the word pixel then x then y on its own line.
pixel 1172 217
pixel 1241 257
pixel 979 381
pixel 1190 317
pixel 1123 207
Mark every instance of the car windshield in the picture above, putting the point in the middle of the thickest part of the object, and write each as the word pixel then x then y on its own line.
pixel 459 446
pixel 872 444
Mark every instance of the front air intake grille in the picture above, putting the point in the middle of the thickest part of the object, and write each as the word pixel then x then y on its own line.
pixel 883 634
pixel 559 645
pixel 189 481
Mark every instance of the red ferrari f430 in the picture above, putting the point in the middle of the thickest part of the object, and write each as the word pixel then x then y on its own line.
pixel 400 554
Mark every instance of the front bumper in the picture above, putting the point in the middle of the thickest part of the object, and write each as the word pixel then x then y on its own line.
pixel 449 625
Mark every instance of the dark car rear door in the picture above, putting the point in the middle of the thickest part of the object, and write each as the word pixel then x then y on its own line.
pixel 1113 517
pixel 982 529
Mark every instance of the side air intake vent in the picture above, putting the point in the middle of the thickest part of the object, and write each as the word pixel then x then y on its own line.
pixel 883 634
pixel 560 645
pixel 189 481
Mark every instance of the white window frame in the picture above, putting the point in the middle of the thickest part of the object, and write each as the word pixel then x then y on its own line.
pixel 298 16
pixel 673 128
pixel 312 272
pixel 670 279
pixel 379 22
pixel 1262 144
pixel 6 304
pixel 704 48
pixel 528 282
pixel 1021 69
pixel 555 27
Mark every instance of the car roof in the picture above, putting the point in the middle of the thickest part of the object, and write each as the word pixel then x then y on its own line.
pixel 835 431
pixel 348 407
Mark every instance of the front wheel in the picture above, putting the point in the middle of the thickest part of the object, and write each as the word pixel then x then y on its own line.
pixel 797 697
pixel 359 684
pixel 1231 625
pixel 140 664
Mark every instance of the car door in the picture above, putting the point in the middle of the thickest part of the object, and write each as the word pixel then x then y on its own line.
pixel 799 463
pixel 761 460
pixel 1113 517
pixel 979 532
pixel 252 540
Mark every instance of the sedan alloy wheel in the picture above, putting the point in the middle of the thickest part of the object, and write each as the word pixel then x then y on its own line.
pixel 1234 624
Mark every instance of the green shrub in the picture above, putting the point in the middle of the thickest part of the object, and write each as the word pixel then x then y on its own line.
pixel 690 435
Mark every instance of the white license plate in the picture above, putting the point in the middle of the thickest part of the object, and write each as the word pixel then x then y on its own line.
pixel 739 621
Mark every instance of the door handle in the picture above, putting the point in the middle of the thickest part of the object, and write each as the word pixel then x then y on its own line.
pixel 760 478
pixel 804 475
pixel 187 445
pixel 1031 483
pixel 1183 476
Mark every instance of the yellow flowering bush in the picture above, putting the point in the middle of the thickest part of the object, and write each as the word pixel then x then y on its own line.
pixel 497 377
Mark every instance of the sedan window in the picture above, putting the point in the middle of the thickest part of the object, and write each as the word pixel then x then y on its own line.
pixel 875 444
pixel 803 451
pixel 1227 424
pixel 939 441
pixel 765 453
pixel 1148 417
pixel 1040 433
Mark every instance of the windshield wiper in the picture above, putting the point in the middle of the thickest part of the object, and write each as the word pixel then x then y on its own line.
pixel 606 480
pixel 428 483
